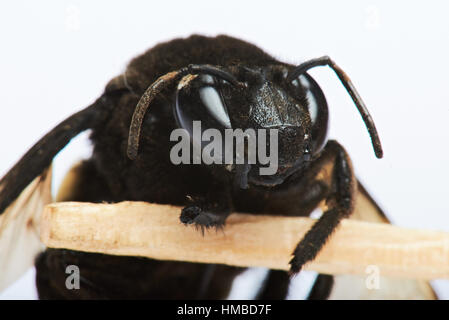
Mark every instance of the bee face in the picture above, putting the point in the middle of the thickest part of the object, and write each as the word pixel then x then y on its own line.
pixel 296 110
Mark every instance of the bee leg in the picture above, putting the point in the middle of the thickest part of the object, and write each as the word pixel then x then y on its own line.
pixel 277 283
pixel 340 202
pixel 275 286
pixel 203 217
pixel 322 287
pixel 209 210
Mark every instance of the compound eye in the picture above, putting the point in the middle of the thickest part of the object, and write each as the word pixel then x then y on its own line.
pixel 199 104
pixel 318 110
pixel 302 83
pixel 213 101
pixel 201 100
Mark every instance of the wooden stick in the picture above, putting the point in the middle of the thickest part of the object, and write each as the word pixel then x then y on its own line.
pixel 151 230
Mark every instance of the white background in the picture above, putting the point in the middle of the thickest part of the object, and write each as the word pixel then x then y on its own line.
pixel 56 57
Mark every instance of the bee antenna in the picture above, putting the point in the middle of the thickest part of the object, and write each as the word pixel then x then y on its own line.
pixel 142 106
pixel 159 85
pixel 347 83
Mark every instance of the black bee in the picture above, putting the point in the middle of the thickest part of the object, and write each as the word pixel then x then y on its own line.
pixel 162 90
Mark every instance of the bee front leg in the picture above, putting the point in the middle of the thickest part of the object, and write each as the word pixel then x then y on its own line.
pixel 210 209
pixel 340 202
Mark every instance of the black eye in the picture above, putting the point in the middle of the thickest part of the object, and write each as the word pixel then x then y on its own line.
pixel 318 110
pixel 199 99
pixel 200 106
pixel 303 85
pixel 212 99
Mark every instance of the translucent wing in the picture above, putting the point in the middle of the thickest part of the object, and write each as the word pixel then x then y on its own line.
pixel 19 229
pixel 25 189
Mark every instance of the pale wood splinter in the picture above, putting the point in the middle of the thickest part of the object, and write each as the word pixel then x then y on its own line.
pixel 152 230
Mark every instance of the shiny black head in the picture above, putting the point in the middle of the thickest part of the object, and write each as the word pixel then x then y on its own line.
pixel 282 101
pixel 267 101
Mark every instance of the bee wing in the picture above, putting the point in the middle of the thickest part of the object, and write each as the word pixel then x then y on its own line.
pixel 350 287
pixel 19 229
pixel 25 189
pixel 40 156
